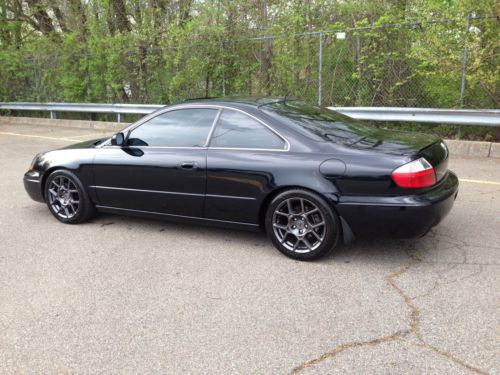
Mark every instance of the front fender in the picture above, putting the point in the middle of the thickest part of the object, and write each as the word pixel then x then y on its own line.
pixel 78 161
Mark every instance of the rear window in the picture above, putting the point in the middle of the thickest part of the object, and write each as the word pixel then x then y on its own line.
pixel 317 123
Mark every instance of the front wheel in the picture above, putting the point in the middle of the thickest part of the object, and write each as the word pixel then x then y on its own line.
pixel 66 198
pixel 302 225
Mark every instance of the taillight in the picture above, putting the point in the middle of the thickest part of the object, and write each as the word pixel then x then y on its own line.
pixel 416 174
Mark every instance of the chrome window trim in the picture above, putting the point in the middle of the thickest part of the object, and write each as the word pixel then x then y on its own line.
pixel 171 192
pixel 209 137
pixel 212 129
pixel 181 216
pixel 247 149
pixel 162 147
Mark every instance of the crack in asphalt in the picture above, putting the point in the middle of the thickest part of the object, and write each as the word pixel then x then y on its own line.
pixel 414 327
pixel 415 315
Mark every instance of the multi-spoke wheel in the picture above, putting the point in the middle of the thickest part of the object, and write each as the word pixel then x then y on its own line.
pixel 63 197
pixel 302 225
pixel 66 198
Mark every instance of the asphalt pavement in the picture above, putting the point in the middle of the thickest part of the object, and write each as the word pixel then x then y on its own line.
pixel 129 295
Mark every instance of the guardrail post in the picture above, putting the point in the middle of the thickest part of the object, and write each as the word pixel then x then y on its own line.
pixel 52 115
pixel 119 117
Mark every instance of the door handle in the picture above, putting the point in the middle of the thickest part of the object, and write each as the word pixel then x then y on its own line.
pixel 189 165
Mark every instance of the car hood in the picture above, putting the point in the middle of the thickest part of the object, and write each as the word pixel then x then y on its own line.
pixel 86 144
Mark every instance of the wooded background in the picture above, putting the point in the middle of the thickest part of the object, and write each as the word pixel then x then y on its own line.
pixel 373 53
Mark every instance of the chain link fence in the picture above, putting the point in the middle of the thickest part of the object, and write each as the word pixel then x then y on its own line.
pixel 446 64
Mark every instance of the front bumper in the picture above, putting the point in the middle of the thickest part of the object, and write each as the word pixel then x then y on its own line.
pixel 33 186
pixel 399 217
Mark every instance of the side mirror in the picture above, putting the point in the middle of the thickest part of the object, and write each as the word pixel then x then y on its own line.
pixel 118 139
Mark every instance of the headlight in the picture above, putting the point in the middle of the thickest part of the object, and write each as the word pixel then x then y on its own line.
pixel 33 163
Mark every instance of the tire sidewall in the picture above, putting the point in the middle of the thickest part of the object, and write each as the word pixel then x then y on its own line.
pixel 332 227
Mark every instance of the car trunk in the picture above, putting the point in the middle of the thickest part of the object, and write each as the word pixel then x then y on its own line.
pixel 388 141
pixel 431 147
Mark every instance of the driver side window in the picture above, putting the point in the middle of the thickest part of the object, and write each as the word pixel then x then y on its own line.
pixel 177 128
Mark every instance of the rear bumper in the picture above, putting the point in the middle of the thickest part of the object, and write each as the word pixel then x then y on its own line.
pixel 33 186
pixel 399 217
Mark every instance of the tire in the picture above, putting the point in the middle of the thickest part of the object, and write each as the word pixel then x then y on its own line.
pixel 67 199
pixel 302 225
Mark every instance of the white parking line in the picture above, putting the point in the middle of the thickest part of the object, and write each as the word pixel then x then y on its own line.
pixel 39 136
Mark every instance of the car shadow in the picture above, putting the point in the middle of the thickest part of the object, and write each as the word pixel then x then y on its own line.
pixel 360 250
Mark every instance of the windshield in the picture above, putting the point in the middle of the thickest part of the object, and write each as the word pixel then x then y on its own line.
pixel 319 124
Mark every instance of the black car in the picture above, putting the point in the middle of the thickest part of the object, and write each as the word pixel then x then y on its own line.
pixel 309 176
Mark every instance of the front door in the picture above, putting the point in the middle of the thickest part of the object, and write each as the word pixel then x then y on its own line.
pixel 161 169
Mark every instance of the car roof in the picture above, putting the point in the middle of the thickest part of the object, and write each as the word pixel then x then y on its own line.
pixel 252 101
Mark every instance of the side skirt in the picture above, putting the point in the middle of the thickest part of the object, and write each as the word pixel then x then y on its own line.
pixel 179 218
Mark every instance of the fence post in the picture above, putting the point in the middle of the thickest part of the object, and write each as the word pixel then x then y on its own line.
pixel 464 64
pixel 320 69
pixel 223 69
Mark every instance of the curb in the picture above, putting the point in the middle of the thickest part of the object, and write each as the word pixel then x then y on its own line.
pixel 62 123
pixel 473 148
pixel 456 147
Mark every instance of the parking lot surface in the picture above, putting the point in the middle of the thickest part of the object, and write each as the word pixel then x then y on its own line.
pixel 128 295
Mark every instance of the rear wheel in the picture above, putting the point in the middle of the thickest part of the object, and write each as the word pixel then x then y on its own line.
pixel 66 198
pixel 302 225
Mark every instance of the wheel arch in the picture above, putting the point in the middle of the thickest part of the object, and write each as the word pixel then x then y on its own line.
pixel 274 193
pixel 46 175
pixel 345 231
pixel 54 168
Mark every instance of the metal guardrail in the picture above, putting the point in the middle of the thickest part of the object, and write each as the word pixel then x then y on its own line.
pixel 484 117
pixel 118 109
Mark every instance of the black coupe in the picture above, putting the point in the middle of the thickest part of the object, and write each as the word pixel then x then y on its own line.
pixel 309 176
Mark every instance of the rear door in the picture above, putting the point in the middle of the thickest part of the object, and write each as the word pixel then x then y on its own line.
pixel 163 167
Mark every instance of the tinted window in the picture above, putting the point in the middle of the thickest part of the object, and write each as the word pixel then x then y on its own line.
pixel 235 129
pixel 319 124
pixel 179 128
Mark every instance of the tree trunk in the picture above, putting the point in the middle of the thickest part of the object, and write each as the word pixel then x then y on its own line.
pixel 120 15
pixel 43 20
pixel 184 11
pixel 60 18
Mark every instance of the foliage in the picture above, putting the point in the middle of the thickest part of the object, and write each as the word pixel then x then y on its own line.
pixel 393 53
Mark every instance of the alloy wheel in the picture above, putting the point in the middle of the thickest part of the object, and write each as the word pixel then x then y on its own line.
pixel 64 198
pixel 299 225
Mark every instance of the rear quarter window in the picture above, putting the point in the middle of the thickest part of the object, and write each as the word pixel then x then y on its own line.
pixel 238 130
